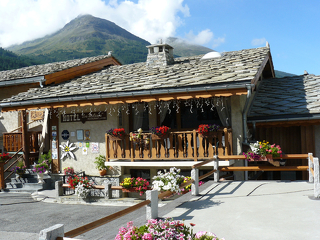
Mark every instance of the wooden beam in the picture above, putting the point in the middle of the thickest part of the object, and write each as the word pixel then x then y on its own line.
pixel 79 71
pixel 133 99
pixel 264 168
pixel 85 228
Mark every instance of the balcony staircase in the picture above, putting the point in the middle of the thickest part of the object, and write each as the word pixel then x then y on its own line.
pixel 28 183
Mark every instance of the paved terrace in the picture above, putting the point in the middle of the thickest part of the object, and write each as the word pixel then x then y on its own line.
pixel 234 210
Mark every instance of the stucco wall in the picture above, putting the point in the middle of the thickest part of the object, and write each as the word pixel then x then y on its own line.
pixel 97 134
pixel 237 104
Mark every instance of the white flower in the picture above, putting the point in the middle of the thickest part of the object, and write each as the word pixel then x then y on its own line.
pixel 140 130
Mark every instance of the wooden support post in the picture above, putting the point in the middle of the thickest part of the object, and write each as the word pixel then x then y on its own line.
pixel 25 138
pixel 316 178
pixel 310 164
pixel 216 167
pixel 195 184
pixel 152 208
pixel 195 145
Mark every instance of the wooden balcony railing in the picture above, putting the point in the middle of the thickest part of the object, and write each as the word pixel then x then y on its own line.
pixel 12 142
pixel 178 145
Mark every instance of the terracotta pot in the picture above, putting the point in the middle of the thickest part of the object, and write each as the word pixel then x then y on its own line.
pixel 129 190
pixel 103 172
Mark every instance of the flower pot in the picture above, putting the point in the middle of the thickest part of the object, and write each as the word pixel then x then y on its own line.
pixel 116 138
pixel 19 174
pixel 40 177
pixel 103 172
pixel 157 137
pixel 129 190
pixel 209 134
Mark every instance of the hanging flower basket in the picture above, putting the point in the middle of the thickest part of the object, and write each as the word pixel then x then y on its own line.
pixel 158 133
pixel 116 134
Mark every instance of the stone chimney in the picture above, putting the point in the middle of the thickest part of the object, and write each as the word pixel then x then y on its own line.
pixel 160 54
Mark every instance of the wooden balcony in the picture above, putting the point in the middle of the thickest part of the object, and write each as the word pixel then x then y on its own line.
pixel 178 145
pixel 12 142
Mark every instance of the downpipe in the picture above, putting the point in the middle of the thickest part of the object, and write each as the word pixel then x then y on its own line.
pixel 244 122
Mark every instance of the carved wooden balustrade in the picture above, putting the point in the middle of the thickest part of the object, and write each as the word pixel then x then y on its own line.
pixel 178 145
pixel 12 142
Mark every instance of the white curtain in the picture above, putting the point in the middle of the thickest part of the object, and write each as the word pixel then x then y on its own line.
pixel 222 105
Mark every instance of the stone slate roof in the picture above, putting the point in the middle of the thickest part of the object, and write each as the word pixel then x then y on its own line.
pixel 45 69
pixel 286 97
pixel 232 68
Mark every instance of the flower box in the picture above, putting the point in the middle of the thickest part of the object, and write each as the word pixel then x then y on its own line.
pixel 129 190
pixel 116 138
pixel 209 134
pixel 159 137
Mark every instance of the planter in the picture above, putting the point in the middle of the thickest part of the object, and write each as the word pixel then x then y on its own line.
pixel 40 177
pixel 103 172
pixel 129 190
pixel 116 138
pixel 19 174
pixel 209 135
pixel 157 137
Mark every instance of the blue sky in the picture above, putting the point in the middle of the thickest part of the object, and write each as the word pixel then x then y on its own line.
pixel 290 27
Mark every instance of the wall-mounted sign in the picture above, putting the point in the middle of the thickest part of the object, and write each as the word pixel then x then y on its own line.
pixel 87 135
pixel 95 147
pixel 36 115
pixel 83 117
pixel 79 134
pixel 65 134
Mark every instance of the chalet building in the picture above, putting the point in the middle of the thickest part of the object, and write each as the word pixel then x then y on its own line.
pixel 180 93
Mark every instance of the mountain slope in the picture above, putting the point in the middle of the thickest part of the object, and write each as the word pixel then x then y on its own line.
pixel 9 60
pixel 184 49
pixel 86 36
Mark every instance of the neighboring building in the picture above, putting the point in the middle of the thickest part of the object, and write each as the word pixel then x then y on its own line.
pixel 13 82
pixel 177 92
pixel 286 111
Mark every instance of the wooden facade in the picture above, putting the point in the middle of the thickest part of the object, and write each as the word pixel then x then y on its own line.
pixel 293 139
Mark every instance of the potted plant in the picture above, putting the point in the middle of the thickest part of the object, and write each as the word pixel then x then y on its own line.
pixel 100 165
pixel 68 171
pixel 19 169
pixel 116 133
pixel 4 157
pixel 82 186
pixel 46 159
pixel 40 169
pixel 263 151
pixel 207 130
pixel 168 181
pixel 158 133
pixel 135 185
pixel 142 140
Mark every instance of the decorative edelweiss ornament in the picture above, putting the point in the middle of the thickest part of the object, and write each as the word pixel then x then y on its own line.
pixel 67 150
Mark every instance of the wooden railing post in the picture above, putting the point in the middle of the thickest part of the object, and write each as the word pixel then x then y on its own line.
pixel 195 145
pixel 316 178
pixel 195 184
pixel 310 164
pixel 25 138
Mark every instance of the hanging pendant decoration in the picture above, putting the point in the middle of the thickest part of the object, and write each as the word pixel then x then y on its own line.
pixel 67 150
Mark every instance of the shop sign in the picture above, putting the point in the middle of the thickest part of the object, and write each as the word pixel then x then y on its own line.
pixel 83 117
